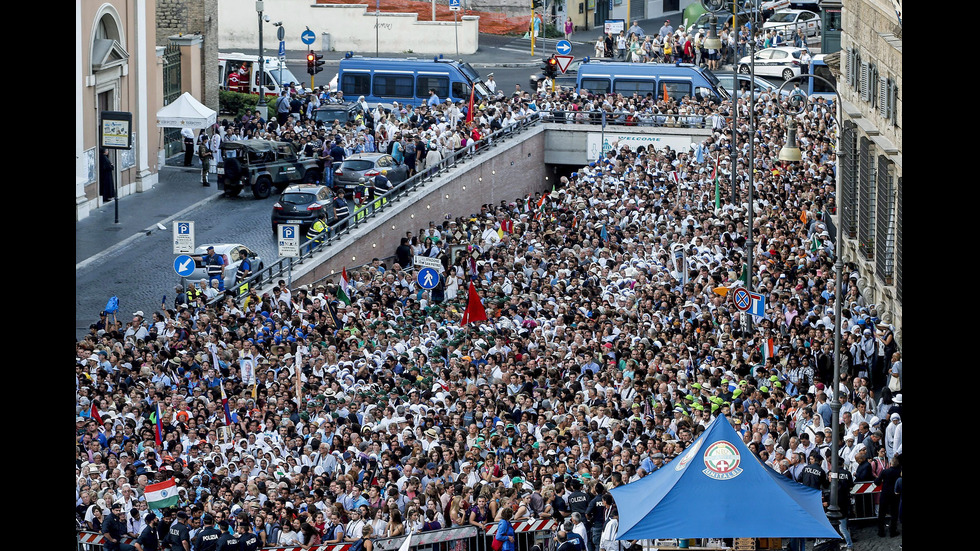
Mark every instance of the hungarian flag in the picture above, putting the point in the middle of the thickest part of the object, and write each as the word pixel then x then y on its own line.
pixel 161 495
pixel 474 308
pixel 159 424
pixel 224 404
pixel 95 414
pixel 343 292
pixel 469 108
pixel 768 351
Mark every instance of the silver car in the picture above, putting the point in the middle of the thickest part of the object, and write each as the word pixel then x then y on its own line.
pixel 230 252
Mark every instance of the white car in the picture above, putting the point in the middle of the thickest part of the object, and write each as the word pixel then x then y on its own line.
pixel 783 62
pixel 230 254
pixel 787 22
pixel 775 5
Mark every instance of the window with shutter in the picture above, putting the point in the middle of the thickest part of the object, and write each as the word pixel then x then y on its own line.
pixel 893 92
pixel 898 242
pixel 849 69
pixel 848 159
pixel 885 221
pixel 866 198
pixel 873 86
pixel 865 70
pixel 884 95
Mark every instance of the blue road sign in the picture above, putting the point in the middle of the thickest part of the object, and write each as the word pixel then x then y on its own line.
pixel 453 3
pixel 563 47
pixel 308 37
pixel 282 49
pixel 183 228
pixel 288 232
pixel 758 307
pixel 428 278
pixel 184 265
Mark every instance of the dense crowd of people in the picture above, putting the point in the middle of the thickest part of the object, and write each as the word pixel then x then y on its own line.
pixel 607 349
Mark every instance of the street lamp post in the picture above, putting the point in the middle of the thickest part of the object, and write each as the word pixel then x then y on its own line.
pixel 259 6
pixel 791 153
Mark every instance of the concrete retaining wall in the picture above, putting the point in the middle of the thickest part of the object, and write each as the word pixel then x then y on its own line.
pixel 351 27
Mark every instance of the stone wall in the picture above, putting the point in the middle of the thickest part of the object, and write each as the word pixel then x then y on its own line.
pixel 175 17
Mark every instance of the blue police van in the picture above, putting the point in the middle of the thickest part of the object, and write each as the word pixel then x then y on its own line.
pixel 657 79
pixel 408 81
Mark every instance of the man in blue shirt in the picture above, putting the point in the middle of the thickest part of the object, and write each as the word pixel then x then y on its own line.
pixel 433 98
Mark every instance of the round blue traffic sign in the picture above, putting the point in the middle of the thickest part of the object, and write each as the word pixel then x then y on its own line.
pixel 308 37
pixel 428 278
pixel 184 265
pixel 563 47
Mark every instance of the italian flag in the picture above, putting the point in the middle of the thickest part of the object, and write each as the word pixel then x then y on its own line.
pixel 343 292
pixel 161 495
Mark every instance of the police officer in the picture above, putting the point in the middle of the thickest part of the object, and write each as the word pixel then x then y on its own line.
pixel 341 208
pixel 244 267
pixel 113 530
pixel 247 540
pixel 596 516
pixel 380 186
pixel 215 267
pixel 226 541
pixel 179 536
pixel 845 481
pixel 207 538
pixel 812 474
pixel 147 539
pixel 315 233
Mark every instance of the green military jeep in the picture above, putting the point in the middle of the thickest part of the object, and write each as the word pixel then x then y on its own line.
pixel 263 165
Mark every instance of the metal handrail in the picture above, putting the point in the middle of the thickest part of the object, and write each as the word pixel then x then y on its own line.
pixel 622 118
pixel 375 205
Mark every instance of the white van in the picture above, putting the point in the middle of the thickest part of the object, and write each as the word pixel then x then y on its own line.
pixel 237 73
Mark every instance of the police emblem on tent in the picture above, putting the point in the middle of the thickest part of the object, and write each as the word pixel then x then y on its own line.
pixel 722 460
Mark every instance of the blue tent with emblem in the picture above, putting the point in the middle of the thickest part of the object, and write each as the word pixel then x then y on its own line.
pixel 718 489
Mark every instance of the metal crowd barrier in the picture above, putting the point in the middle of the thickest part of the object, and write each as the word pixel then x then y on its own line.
pixel 458 538
pixel 864 495
pixel 623 118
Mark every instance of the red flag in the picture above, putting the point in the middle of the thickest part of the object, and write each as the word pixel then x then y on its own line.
pixel 469 108
pixel 474 308
pixel 95 414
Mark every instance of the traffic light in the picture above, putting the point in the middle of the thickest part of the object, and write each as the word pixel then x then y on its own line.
pixel 310 62
pixel 317 63
pixel 536 4
pixel 551 67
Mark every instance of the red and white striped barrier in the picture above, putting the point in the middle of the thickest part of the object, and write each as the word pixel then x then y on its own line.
pixel 527 526
pixel 865 488
pixel 332 547
pixel 94 537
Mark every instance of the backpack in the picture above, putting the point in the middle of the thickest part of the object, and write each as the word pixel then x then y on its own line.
pixel 357 545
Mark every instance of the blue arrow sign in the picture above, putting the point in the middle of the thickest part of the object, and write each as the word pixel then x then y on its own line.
pixel 428 278
pixel 563 47
pixel 282 49
pixel 184 265
pixel 308 37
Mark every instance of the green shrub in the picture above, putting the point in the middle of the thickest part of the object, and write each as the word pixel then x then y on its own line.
pixel 236 104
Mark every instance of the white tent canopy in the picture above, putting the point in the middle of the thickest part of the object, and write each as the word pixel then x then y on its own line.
pixel 186 112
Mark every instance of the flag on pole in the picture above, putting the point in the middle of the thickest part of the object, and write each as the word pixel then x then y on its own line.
pixel 474 308
pixel 159 424
pixel 699 154
pixel 343 291
pixel 714 177
pixel 815 243
pixel 768 351
pixel 224 404
pixel 744 278
pixel 95 414
pixel 161 495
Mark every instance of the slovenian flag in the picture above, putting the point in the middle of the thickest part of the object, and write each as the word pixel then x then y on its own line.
pixel 768 351
pixel 224 404
pixel 159 424
pixel 161 495
pixel 343 292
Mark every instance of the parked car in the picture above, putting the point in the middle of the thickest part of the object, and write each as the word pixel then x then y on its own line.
pixel 263 165
pixel 368 165
pixel 303 205
pixel 230 252
pixel 782 61
pixel 787 22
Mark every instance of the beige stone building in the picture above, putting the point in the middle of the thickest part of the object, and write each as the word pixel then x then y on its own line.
pixel 117 68
pixel 870 165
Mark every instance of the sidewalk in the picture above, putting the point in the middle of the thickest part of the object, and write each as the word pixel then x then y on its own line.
pixel 179 189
